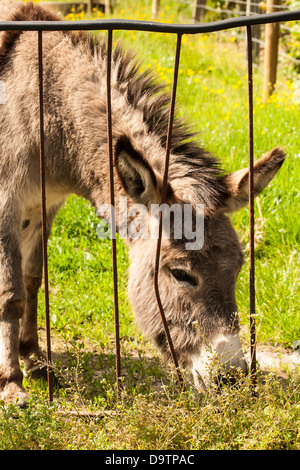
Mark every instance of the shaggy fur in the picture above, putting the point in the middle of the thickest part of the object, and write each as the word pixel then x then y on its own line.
pixel 197 287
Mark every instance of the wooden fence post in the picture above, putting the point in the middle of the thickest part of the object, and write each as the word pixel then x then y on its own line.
pixel 198 10
pixel 271 50
pixel 89 7
pixel 108 7
pixel 155 8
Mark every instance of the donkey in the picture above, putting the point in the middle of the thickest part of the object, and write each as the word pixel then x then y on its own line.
pixel 197 286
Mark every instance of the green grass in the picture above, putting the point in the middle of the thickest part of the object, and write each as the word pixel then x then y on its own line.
pixel 152 412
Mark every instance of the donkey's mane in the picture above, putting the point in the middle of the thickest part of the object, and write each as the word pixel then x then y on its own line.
pixel 188 159
pixel 143 93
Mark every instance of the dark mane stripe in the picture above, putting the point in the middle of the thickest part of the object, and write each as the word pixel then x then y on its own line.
pixel 188 159
pixel 155 111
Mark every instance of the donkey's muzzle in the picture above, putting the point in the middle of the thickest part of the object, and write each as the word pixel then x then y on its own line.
pixel 221 361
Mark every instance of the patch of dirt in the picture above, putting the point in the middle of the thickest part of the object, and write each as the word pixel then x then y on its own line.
pixel 275 358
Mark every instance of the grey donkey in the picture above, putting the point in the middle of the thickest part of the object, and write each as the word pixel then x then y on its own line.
pixel 197 286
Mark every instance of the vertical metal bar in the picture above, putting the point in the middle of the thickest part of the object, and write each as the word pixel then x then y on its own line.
pixel 44 216
pixel 164 190
pixel 251 212
pixel 113 221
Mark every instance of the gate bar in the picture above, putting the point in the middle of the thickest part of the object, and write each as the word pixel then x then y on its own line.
pixel 251 213
pixel 150 26
pixel 113 221
pixel 164 191
pixel 44 216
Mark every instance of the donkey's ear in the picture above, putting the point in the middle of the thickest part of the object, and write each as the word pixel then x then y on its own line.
pixel 237 183
pixel 139 180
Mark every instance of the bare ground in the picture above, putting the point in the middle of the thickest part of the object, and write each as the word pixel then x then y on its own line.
pixel 277 360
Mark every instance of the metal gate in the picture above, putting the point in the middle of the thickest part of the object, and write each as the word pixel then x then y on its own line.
pixel 178 30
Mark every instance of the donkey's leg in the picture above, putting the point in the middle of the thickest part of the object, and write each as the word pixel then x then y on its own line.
pixel 12 299
pixel 30 351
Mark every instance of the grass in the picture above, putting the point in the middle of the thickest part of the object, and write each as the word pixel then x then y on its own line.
pixel 152 413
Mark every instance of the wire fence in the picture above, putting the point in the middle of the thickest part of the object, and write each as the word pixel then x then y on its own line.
pixel 227 9
pixel 179 30
pixel 275 43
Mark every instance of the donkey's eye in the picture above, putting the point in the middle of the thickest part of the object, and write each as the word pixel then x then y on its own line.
pixel 182 276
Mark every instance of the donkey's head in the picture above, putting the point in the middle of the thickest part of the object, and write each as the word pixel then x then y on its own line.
pixel 196 280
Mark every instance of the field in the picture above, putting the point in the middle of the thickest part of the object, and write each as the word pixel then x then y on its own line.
pixel 152 413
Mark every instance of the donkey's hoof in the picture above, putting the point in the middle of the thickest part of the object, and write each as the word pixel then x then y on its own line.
pixel 37 372
pixel 14 394
pixel 35 365
pixel 40 372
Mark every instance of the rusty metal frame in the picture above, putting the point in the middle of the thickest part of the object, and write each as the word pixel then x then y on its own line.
pixel 164 191
pixel 251 213
pixel 112 202
pixel 179 30
pixel 44 217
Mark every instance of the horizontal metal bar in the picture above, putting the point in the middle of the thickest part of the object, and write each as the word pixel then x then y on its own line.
pixel 150 26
